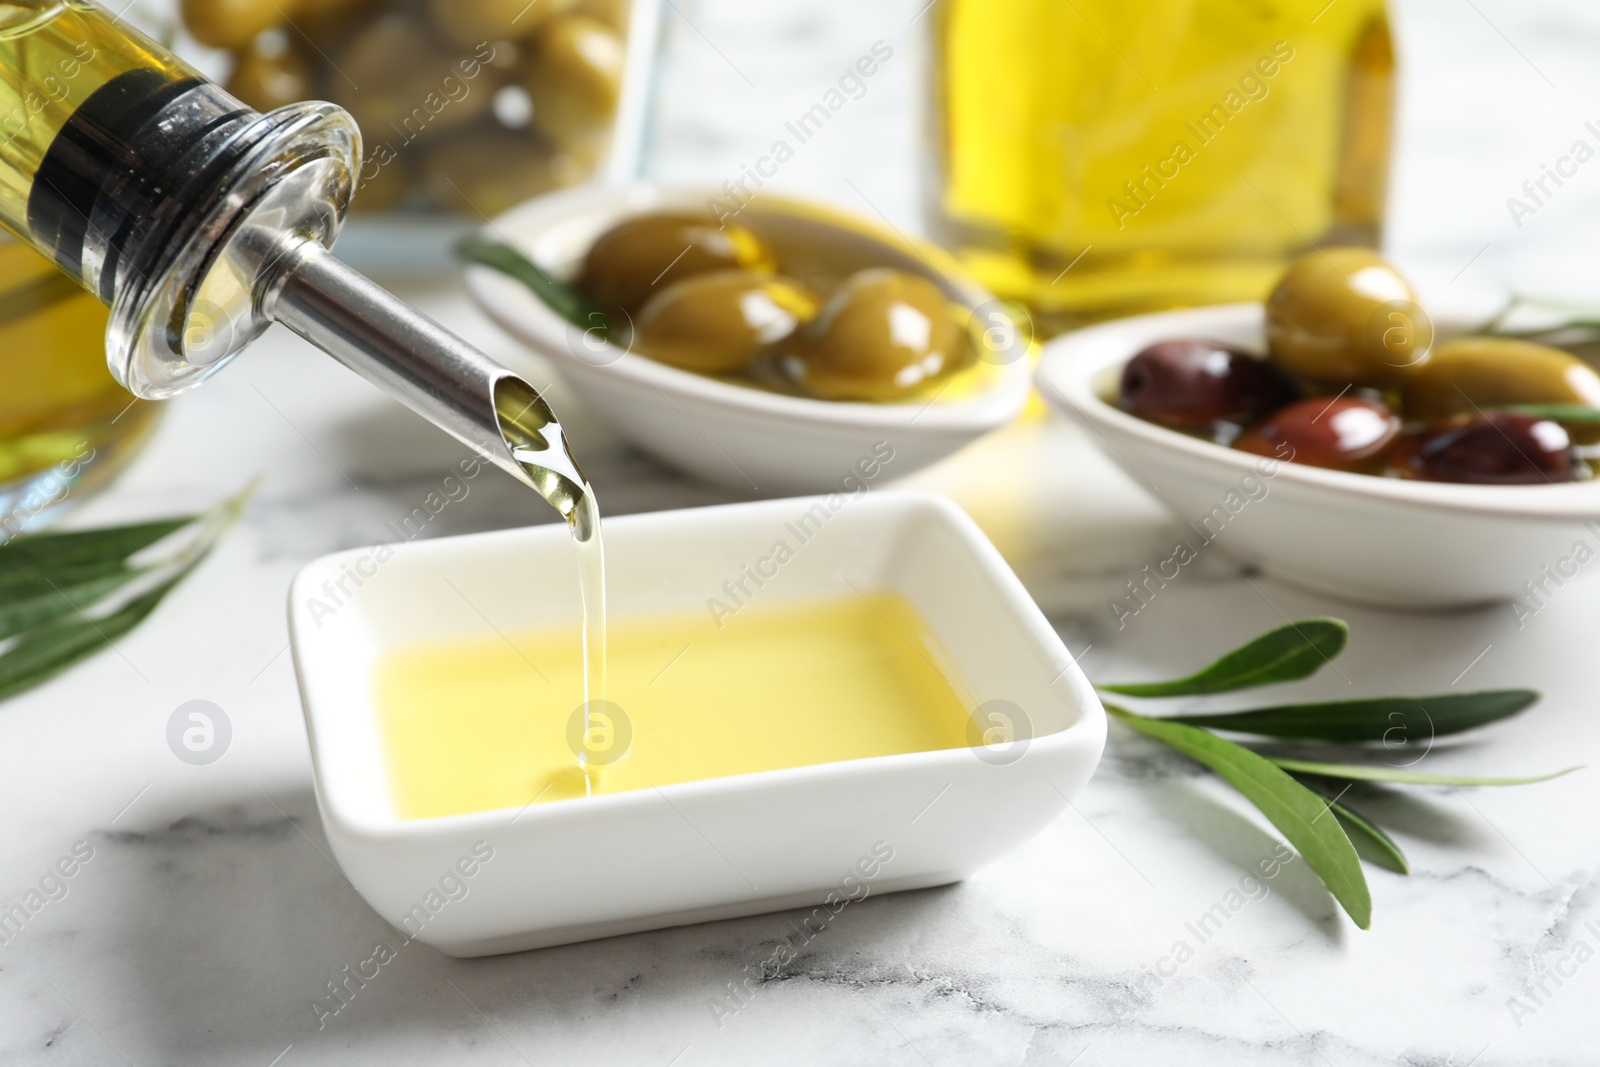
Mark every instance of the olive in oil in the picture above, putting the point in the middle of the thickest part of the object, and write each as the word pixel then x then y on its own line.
pixel 1099 158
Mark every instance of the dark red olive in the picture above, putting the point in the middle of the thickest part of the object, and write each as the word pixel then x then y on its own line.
pixel 1194 384
pixel 1346 433
pixel 1494 448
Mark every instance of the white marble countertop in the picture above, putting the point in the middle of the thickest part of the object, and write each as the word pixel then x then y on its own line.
pixel 209 917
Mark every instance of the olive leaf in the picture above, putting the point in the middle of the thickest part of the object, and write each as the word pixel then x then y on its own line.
pixel 63 596
pixel 1399 719
pixel 1294 807
pixel 1286 654
pixel 1358 773
pixel 57 589
pixel 1362 831
pixel 33 552
pixel 1573 413
pixel 25 582
pixel 46 651
pixel 1291 807
pixel 556 294
pixel 1572 323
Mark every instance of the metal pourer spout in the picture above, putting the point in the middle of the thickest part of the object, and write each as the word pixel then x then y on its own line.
pixel 429 369
pixel 199 221
pixel 208 221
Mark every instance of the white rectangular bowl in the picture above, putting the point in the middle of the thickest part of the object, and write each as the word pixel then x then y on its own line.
pixel 573 870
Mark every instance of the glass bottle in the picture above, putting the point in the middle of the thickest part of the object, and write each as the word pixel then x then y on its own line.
pixel 1096 158
pixel 65 423
pixel 199 221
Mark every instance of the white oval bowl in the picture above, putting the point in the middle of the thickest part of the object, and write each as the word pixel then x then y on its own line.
pixel 1383 541
pixel 729 434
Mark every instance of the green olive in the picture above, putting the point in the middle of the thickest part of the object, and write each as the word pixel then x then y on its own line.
pixel 326 23
pixel 881 336
pixel 719 322
pixel 270 77
pixel 573 75
pixel 1346 316
pixel 468 23
pixel 483 172
pixel 1473 373
pixel 232 24
pixel 639 256
pixel 398 82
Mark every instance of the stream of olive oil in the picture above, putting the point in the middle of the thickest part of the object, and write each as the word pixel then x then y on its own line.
pixel 592 592
pixel 538 444
pixel 574 497
pixel 471 725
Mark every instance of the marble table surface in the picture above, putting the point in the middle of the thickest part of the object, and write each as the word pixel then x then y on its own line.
pixel 204 916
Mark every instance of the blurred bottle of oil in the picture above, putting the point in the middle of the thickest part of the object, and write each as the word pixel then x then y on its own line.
pixel 64 423
pixel 1098 158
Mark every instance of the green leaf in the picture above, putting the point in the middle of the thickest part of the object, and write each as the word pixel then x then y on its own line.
pixel 1290 652
pixel 57 598
pixel 1384 851
pixel 32 581
pixel 1290 806
pixel 83 547
pixel 1359 773
pixel 1574 413
pixel 557 295
pixel 46 651
pixel 1401 720
pixel 92 564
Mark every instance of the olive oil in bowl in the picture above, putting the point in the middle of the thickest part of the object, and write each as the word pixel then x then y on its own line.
pixel 815 746
pixel 513 719
pixel 488 723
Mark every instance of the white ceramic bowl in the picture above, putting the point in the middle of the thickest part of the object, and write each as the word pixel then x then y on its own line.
pixel 749 439
pixel 1381 541
pixel 577 869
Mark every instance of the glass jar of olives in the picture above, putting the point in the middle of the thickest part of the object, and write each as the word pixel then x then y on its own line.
pixel 465 106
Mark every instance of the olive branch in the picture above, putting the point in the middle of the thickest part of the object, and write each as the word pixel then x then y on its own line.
pixel 66 596
pixel 1297 795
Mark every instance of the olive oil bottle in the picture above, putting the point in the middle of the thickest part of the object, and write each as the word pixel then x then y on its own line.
pixel 64 421
pixel 63 418
pixel 1098 158
pixel 200 221
pixel 57 54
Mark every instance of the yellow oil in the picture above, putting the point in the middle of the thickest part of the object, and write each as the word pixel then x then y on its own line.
pixel 55 54
pixel 592 596
pixel 482 724
pixel 538 442
pixel 1059 178
pixel 59 406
